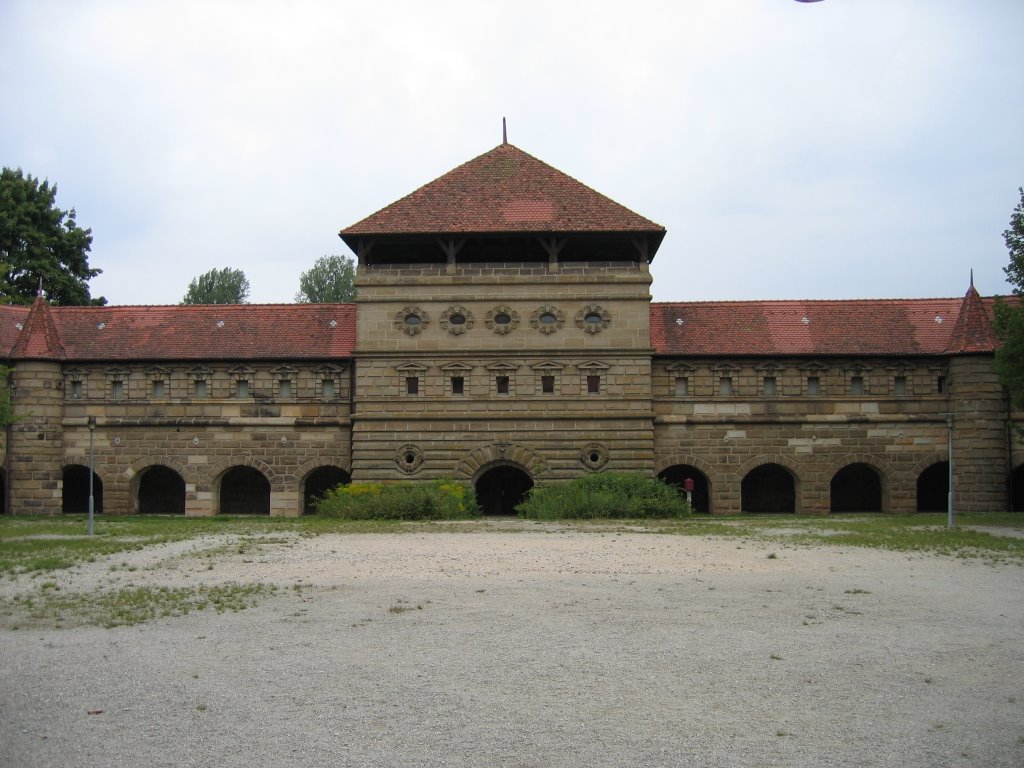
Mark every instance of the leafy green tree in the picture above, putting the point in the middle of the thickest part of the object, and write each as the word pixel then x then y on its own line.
pixel 40 241
pixel 331 280
pixel 1009 316
pixel 218 286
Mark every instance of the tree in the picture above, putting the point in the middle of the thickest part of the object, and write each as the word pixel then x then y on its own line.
pixel 40 241
pixel 218 286
pixel 331 280
pixel 1009 316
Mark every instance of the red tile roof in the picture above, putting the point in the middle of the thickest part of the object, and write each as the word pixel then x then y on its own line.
pixel 890 327
pixel 973 331
pixel 39 339
pixel 200 332
pixel 503 190
pixel 12 320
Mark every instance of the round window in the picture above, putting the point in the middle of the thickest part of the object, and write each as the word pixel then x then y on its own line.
pixel 502 318
pixel 413 319
pixel 548 318
pixel 410 458
pixel 457 319
pixel 593 318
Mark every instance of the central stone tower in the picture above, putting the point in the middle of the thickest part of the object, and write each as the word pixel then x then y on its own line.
pixel 503 331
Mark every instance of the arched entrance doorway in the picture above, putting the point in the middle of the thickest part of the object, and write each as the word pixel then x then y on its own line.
pixel 678 473
pixel 501 488
pixel 856 488
pixel 768 488
pixel 75 493
pixel 933 488
pixel 161 492
pixel 1017 489
pixel 244 491
pixel 320 481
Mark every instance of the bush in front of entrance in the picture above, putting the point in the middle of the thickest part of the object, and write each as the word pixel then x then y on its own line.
pixel 436 500
pixel 604 495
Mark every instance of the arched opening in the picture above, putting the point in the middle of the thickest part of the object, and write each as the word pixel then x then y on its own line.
pixel 933 488
pixel 856 488
pixel 244 491
pixel 74 499
pixel 501 488
pixel 677 475
pixel 161 491
pixel 1017 489
pixel 320 481
pixel 768 488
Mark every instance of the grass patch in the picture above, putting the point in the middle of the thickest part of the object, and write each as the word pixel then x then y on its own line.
pixel 605 495
pixel 126 607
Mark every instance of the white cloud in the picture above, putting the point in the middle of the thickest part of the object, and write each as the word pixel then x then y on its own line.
pixel 837 148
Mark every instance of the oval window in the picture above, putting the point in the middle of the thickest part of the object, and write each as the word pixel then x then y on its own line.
pixel 413 319
pixel 548 318
pixel 457 319
pixel 502 318
pixel 593 318
pixel 410 458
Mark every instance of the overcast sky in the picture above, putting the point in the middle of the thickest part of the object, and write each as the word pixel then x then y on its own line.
pixel 837 149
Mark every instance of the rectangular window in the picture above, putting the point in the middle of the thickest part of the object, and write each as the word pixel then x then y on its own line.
pixel 158 390
pixel 202 390
pixel 412 385
pixel 284 388
pixel 117 389
pixel 899 385
pixel 813 386
pixel 243 388
pixel 682 386
pixel 501 384
pixel 547 384
pixel 76 390
pixel 458 385
pixel 725 386
pixel 940 385
pixel 856 385
pixel 328 389
pixel 593 384
pixel 769 386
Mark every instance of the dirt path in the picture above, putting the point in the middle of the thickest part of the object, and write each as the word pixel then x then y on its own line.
pixel 542 648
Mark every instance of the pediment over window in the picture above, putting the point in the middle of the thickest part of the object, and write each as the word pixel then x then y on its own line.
pixel 680 368
pixel 411 368
pixel 594 365
pixel 456 367
pixel 548 365
pixel 502 366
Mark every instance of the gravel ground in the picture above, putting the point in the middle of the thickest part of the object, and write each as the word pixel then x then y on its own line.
pixel 535 647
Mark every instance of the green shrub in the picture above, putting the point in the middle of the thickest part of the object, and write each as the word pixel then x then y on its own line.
pixel 408 500
pixel 604 495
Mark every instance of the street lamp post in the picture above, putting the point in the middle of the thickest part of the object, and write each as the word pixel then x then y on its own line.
pixel 92 500
pixel 949 497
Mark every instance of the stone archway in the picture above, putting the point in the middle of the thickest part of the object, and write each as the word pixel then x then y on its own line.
pixel 768 488
pixel 677 474
pixel 244 491
pixel 501 487
pixel 75 491
pixel 933 488
pixel 856 487
pixel 161 491
pixel 318 482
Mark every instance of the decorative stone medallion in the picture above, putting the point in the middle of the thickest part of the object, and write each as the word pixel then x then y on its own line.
pixel 547 319
pixel 594 456
pixel 409 459
pixel 502 320
pixel 456 320
pixel 411 320
pixel 593 318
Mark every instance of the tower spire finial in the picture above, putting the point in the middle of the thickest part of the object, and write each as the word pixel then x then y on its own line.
pixel 504 132
pixel 972 277
pixel 39 292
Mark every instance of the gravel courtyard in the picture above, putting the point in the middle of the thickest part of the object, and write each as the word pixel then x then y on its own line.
pixel 531 645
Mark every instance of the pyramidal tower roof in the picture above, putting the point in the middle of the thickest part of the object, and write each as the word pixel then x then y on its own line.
pixel 973 330
pixel 501 191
